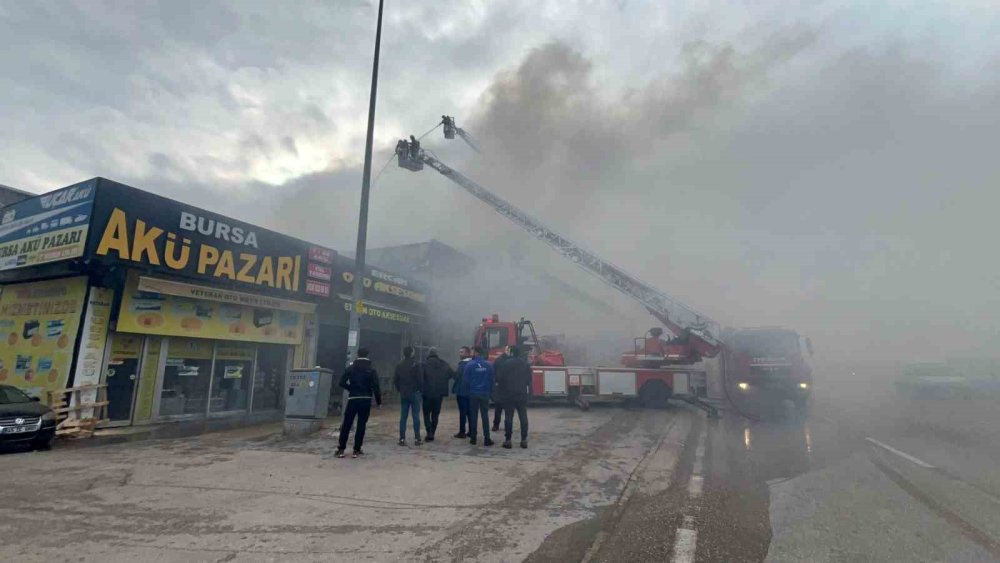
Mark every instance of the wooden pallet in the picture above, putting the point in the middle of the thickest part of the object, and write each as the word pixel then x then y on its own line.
pixel 70 424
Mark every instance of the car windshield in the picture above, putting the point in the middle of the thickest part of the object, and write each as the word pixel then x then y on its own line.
pixel 10 395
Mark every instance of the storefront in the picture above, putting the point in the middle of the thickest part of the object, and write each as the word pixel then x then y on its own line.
pixel 391 318
pixel 180 312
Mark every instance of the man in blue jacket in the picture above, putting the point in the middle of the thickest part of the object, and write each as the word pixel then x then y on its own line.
pixel 479 375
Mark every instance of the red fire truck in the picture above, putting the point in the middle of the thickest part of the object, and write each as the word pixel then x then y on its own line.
pixel 657 368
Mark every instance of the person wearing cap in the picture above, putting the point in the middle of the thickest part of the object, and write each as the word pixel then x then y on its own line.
pixel 436 375
pixel 361 382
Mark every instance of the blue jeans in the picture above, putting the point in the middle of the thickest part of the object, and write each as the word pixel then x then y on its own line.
pixel 409 405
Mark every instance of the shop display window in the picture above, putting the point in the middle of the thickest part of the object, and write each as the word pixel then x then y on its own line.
pixel 186 376
pixel 232 375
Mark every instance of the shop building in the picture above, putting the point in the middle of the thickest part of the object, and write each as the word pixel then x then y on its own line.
pixel 181 312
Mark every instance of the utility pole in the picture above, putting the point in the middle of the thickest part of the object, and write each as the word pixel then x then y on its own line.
pixel 354 326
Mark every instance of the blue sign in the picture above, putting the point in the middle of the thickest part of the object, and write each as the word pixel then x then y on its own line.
pixel 46 228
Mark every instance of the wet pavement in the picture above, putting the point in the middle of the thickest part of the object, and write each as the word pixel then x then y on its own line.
pixel 858 478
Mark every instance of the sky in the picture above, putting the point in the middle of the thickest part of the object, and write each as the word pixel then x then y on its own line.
pixel 827 166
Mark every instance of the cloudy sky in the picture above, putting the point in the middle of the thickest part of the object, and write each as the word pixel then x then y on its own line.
pixel 824 165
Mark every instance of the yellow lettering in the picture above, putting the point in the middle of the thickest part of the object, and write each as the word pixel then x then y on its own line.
pixel 265 276
pixel 115 235
pixel 144 242
pixel 207 256
pixel 170 256
pixel 226 267
pixel 248 261
pixel 295 273
pixel 284 276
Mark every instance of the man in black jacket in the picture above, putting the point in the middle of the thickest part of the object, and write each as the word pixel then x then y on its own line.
pixel 497 407
pixel 408 381
pixel 361 382
pixel 513 388
pixel 436 375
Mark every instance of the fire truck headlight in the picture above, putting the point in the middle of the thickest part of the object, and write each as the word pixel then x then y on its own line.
pixel 803 385
pixel 743 385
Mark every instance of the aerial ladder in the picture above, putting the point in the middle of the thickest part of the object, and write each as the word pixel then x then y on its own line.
pixel 695 336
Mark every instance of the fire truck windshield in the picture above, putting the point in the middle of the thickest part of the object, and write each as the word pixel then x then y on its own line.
pixel 495 337
pixel 766 343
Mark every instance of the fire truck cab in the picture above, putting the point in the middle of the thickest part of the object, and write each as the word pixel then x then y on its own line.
pixel 493 335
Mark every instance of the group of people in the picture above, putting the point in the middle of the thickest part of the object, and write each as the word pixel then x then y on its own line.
pixel 423 386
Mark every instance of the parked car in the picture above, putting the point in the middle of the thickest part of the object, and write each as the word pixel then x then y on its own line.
pixel 24 420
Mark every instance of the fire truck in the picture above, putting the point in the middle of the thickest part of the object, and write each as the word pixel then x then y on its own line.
pixel 655 370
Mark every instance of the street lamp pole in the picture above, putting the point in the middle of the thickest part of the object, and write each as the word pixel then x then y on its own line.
pixel 354 326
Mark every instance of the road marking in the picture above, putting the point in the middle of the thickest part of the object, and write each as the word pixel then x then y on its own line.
pixel 695 486
pixel 685 545
pixel 686 540
pixel 903 455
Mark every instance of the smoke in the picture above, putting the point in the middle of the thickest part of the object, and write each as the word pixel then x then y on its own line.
pixel 843 191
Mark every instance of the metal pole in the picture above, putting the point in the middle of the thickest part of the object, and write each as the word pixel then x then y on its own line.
pixel 354 327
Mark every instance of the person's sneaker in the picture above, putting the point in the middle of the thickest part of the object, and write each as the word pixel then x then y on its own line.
pixel 487 442
pixel 402 442
pixel 524 444
pixel 340 453
pixel 472 440
pixel 418 442
pixel 506 444
pixel 357 454
pixel 430 438
pixel 461 436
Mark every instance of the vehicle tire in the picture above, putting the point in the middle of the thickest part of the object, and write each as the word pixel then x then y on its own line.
pixel 654 394
pixel 42 444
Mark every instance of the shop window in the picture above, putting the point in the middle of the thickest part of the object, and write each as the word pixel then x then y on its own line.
pixel 231 376
pixel 272 362
pixel 186 376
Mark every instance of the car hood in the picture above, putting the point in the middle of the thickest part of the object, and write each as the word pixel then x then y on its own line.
pixel 23 409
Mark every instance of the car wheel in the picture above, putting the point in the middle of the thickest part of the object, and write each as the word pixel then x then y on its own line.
pixel 42 444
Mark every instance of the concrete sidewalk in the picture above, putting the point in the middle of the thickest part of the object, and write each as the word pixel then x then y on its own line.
pixel 258 497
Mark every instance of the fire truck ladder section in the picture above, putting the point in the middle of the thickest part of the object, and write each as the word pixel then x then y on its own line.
pixel 677 317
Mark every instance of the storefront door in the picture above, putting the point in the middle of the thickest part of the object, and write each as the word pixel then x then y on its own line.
pixel 122 375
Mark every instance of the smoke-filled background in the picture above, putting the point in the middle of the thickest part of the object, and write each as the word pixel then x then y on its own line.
pixel 826 166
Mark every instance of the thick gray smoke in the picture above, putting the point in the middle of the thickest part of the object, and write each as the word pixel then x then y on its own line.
pixel 847 195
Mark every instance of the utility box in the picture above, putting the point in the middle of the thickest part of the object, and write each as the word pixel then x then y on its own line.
pixel 307 393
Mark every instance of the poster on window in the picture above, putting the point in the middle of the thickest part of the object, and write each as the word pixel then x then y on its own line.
pixel 39 323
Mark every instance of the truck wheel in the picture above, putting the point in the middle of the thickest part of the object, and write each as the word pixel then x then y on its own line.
pixel 654 395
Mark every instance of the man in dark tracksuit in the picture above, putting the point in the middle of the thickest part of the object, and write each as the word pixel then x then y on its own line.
pixel 408 381
pixel 513 390
pixel 361 382
pixel 479 374
pixel 497 407
pixel 436 376
pixel 461 391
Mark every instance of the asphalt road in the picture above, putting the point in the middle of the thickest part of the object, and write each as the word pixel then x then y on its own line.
pixel 865 476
